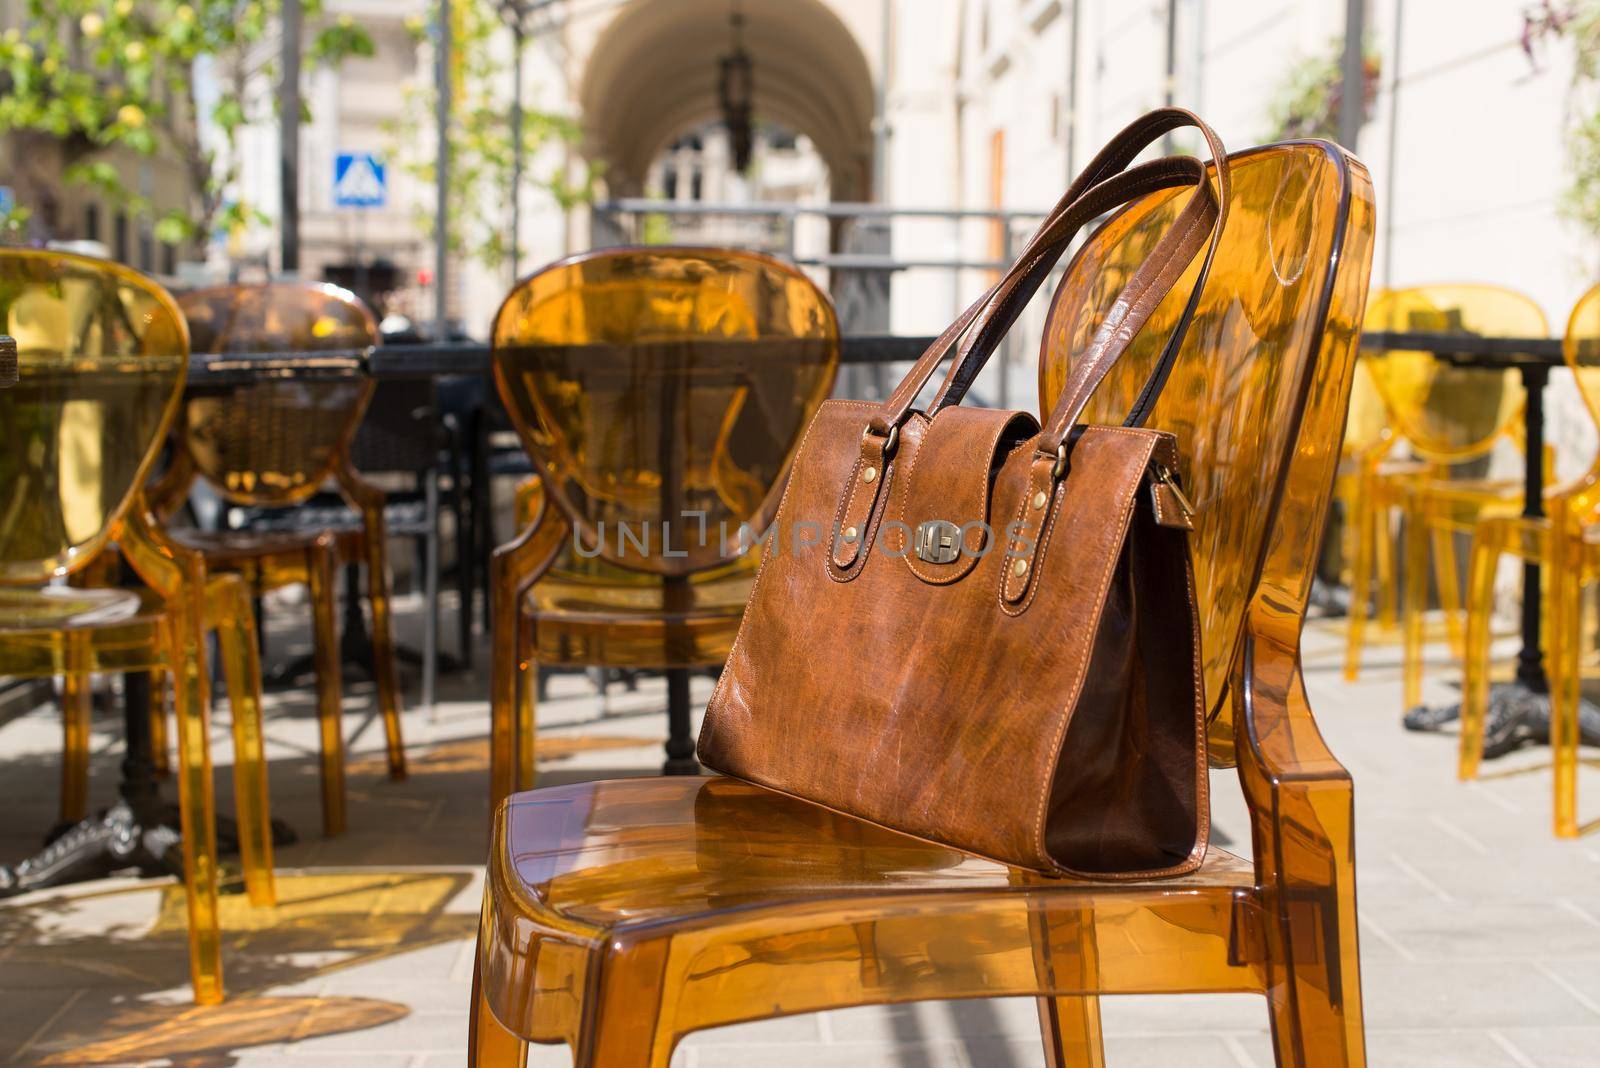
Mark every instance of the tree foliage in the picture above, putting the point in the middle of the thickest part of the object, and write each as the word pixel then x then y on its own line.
pixel 481 140
pixel 1309 100
pixel 98 75
pixel 1578 23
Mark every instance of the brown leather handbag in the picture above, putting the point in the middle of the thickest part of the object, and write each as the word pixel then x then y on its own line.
pixel 981 632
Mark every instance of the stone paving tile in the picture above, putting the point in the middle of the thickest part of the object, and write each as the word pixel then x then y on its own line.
pixel 946 1054
pixel 1401 995
pixel 1437 1049
pixel 1555 1047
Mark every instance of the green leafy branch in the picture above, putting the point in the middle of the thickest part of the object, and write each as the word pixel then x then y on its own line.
pixel 100 75
pixel 482 148
pixel 1579 24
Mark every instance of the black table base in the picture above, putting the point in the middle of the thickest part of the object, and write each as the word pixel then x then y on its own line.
pixel 1518 716
pixel 141 832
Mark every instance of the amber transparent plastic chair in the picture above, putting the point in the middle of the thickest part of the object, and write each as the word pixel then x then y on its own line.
pixel 1566 542
pixel 661 394
pixel 103 353
pixel 619 916
pixel 1367 559
pixel 274 443
pixel 1448 416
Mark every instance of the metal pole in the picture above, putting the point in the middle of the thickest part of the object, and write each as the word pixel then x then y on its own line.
pixel 1072 89
pixel 1353 97
pixel 441 223
pixel 1391 166
pixel 1172 66
pixel 518 35
pixel 289 137
pixel 880 148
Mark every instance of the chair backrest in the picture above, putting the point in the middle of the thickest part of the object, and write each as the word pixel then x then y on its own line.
pixel 664 386
pixel 274 442
pixel 1369 428
pixel 1449 414
pixel 1258 395
pixel 102 353
pixel 1580 347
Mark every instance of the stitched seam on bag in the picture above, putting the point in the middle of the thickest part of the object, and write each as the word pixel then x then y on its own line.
pixel 777 518
pixel 846 506
pixel 869 530
pixel 871 523
pixel 1052 753
pixel 1047 526
pixel 905 488
pixel 1202 771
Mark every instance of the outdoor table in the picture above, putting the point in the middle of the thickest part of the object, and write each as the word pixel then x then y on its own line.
pixel 1523 707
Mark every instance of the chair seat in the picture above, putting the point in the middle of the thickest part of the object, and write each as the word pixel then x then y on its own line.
pixel 752 899
pixel 638 622
pixel 224 545
pixel 623 852
pixel 57 608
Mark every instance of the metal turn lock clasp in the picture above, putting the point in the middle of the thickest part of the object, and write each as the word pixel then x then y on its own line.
pixel 938 542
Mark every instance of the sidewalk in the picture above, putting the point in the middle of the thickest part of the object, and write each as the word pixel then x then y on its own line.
pixel 1480 932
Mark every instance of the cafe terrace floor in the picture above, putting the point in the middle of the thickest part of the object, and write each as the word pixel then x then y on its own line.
pixel 1480 932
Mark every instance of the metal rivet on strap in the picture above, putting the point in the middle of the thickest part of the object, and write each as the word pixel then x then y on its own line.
pixel 1039 499
pixel 869 474
pixel 1020 567
pixel 849 533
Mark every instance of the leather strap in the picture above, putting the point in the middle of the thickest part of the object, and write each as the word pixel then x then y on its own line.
pixel 1010 295
pixel 1104 185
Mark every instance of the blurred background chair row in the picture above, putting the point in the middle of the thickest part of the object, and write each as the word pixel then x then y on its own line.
pixel 102 356
pixel 659 395
pixel 1416 473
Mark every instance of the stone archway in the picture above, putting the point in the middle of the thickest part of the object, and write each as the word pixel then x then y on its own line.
pixel 652 73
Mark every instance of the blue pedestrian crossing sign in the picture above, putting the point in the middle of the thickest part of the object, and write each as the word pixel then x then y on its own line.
pixel 359 181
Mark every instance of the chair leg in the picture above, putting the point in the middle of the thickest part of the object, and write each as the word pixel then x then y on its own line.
pixel 1447 576
pixel 1070 1027
pixel 77 706
pixel 1475 665
pixel 196 804
pixel 430 591
pixel 489 1044
pixel 1412 610
pixel 241 671
pixel 1566 586
pixel 384 664
pixel 160 742
pixel 527 706
pixel 1358 519
pixel 621 1023
pixel 1388 595
pixel 330 701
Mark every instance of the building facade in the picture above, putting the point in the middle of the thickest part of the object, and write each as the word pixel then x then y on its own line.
pixel 984 104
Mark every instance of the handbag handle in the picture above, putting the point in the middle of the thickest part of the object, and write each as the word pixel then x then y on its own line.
pixel 1105 184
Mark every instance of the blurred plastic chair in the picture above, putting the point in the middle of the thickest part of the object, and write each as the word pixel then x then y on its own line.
pixel 274 443
pixel 1366 539
pixel 1448 416
pixel 660 393
pixel 621 915
pixel 103 354
pixel 1566 542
